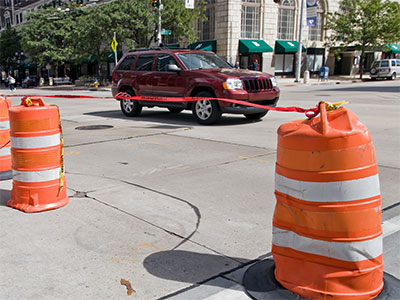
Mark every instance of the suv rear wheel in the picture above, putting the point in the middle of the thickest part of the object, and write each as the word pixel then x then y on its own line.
pixel 393 76
pixel 206 112
pixel 130 108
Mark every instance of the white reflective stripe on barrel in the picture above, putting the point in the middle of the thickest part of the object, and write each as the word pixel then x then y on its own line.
pixel 5 151
pixel 346 251
pixel 335 191
pixel 36 176
pixel 35 142
pixel 4 125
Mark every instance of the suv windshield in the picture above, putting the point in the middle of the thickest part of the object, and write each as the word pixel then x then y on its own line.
pixel 193 61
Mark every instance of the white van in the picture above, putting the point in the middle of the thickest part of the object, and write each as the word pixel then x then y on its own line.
pixel 385 68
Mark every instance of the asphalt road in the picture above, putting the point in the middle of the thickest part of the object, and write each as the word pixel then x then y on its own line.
pixel 166 203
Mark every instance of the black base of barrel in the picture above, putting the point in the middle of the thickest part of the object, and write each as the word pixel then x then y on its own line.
pixel 260 284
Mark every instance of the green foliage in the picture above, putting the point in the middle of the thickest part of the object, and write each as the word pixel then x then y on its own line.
pixel 9 45
pixel 364 24
pixel 75 34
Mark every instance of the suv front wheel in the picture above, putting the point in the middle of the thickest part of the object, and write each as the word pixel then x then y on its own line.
pixel 207 111
pixel 130 108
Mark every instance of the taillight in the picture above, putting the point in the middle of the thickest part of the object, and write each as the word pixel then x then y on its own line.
pixel 390 70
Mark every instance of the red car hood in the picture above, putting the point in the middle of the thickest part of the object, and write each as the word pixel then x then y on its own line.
pixel 229 73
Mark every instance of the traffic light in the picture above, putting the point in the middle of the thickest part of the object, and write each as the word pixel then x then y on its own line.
pixel 155 4
pixel 78 2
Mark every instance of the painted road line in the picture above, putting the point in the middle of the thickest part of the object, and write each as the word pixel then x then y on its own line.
pixel 391 226
pixel 235 292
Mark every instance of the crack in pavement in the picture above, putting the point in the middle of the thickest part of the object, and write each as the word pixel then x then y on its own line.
pixel 184 239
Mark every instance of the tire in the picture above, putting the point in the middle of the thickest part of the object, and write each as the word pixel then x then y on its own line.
pixel 130 108
pixel 175 110
pixel 256 116
pixel 373 71
pixel 393 77
pixel 206 112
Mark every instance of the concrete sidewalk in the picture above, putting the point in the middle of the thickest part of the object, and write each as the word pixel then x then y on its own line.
pixel 282 82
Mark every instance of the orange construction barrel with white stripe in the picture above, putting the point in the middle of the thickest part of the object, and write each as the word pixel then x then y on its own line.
pixel 327 234
pixel 37 157
pixel 5 145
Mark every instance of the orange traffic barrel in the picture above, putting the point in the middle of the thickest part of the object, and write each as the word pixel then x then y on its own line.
pixel 37 157
pixel 327 234
pixel 5 145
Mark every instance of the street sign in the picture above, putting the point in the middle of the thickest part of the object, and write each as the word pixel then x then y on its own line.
pixel 166 32
pixel 312 8
pixel 189 4
pixel 114 44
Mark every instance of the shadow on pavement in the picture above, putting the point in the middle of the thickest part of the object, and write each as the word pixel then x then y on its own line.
pixel 376 88
pixel 5 195
pixel 183 119
pixel 190 267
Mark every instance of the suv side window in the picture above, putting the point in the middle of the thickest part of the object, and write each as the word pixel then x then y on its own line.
pixel 163 60
pixel 398 62
pixel 126 64
pixel 393 63
pixel 144 62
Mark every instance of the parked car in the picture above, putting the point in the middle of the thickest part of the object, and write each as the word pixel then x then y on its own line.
pixel 385 68
pixel 29 82
pixel 191 73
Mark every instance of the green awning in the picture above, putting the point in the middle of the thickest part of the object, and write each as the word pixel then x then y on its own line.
pixel 282 47
pixel 394 48
pixel 254 46
pixel 204 45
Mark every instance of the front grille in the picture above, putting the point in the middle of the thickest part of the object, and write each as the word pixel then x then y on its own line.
pixel 258 84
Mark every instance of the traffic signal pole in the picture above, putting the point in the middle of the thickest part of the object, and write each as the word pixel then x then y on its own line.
pixel 300 46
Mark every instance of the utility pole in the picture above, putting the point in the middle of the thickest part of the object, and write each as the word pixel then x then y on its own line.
pixel 159 36
pixel 300 46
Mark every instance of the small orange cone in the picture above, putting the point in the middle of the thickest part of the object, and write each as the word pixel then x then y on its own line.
pixel 37 157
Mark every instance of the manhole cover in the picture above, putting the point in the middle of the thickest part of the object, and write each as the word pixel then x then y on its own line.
pixel 94 127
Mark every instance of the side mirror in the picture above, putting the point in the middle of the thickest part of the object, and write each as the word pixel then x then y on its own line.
pixel 173 68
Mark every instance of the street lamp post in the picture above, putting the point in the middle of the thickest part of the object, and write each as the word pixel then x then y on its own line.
pixel 300 46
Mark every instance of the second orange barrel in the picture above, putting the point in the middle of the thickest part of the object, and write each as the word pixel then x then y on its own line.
pixel 37 157
pixel 327 235
pixel 5 145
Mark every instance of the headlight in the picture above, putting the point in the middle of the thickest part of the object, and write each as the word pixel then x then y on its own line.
pixel 273 81
pixel 233 84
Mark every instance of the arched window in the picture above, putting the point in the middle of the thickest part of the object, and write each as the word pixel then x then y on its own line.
pixel 286 17
pixel 250 19
pixel 315 32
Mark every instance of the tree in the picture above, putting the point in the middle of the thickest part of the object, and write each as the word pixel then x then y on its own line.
pixel 74 34
pixel 10 43
pixel 48 36
pixel 364 24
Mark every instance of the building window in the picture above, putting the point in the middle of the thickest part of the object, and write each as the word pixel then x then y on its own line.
pixel 207 27
pixel 20 17
pixel 286 17
pixel 8 22
pixel 250 20
pixel 315 32
pixel 7 3
pixel 17 18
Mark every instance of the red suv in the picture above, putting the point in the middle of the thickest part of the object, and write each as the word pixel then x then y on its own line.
pixel 190 73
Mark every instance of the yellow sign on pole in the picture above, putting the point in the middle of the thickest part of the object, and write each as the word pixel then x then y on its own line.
pixel 114 44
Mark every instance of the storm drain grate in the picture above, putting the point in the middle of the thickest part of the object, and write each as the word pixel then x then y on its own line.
pixel 94 127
